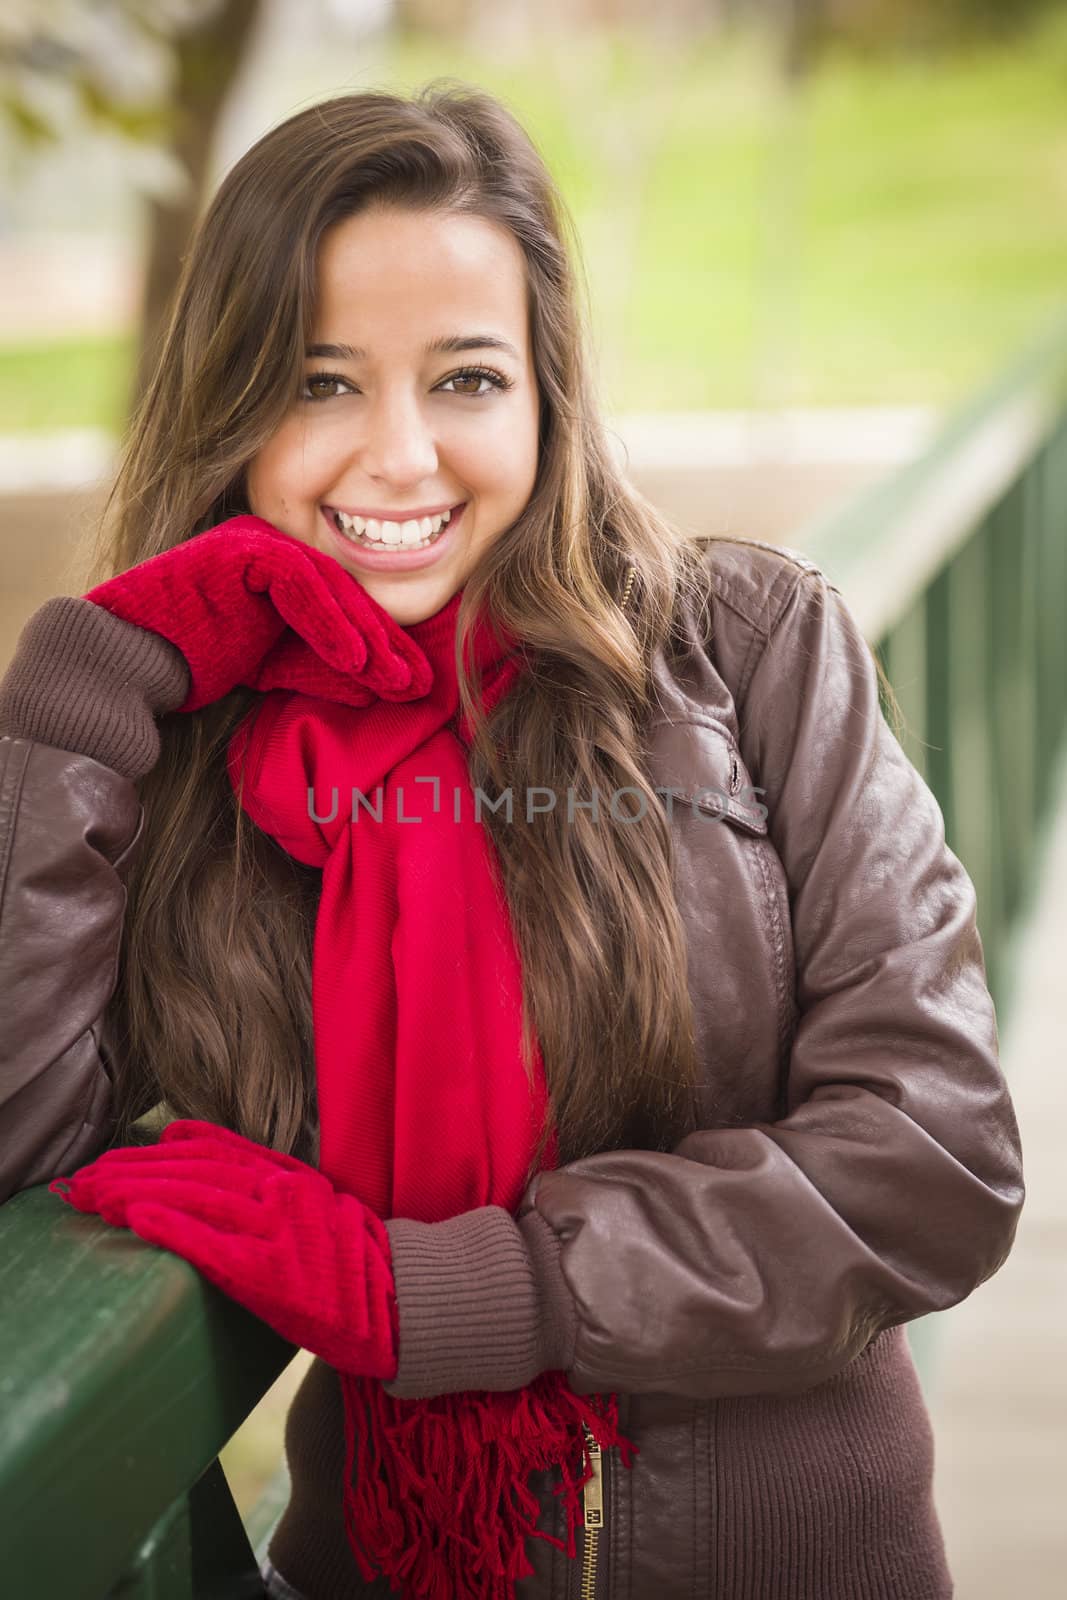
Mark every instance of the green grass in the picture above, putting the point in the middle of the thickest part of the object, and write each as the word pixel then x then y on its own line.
pixel 71 383
pixel 891 239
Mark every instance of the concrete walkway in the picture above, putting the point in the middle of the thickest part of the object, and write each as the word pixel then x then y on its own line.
pixel 998 1397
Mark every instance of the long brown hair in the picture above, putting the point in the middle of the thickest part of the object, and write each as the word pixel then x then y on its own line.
pixel 212 1011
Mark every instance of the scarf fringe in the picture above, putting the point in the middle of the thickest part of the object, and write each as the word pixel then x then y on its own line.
pixel 435 1489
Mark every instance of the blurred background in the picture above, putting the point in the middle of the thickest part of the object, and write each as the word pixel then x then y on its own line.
pixel 808 227
pixel 812 232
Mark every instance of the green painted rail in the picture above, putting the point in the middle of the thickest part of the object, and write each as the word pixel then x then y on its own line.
pixel 956 569
pixel 123 1373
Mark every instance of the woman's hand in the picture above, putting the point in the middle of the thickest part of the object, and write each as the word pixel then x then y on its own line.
pixel 243 600
pixel 270 1231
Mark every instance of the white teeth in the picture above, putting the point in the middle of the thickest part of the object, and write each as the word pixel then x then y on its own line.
pixel 411 534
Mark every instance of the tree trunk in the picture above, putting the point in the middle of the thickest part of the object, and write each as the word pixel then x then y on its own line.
pixel 802 31
pixel 207 58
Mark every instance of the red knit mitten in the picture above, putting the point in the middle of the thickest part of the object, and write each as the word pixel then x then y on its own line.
pixel 270 1231
pixel 248 604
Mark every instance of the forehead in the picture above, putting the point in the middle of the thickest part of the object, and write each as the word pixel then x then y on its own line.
pixel 396 274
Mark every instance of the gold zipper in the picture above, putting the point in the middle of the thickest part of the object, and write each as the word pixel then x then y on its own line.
pixel 593 1499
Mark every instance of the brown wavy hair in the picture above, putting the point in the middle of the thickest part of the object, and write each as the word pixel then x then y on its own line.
pixel 212 1011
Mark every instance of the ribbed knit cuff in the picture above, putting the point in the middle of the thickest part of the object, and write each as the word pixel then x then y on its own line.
pixel 483 1303
pixel 84 680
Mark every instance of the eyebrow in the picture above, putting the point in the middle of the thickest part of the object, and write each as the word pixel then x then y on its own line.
pixel 446 346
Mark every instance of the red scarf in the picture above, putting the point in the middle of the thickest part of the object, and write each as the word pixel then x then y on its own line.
pixel 425 1110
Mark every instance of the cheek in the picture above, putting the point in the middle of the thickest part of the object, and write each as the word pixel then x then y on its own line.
pixel 268 469
pixel 502 462
pixel 289 467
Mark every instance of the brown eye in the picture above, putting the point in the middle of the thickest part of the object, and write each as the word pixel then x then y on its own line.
pixel 322 380
pixel 495 380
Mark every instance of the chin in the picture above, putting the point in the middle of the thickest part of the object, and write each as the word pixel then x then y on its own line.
pixel 410 605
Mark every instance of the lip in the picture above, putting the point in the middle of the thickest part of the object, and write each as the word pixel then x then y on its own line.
pixel 393 559
pixel 395 516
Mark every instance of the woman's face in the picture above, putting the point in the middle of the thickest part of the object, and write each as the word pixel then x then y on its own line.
pixel 390 429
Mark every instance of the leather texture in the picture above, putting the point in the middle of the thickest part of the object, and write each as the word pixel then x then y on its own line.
pixel 859 1163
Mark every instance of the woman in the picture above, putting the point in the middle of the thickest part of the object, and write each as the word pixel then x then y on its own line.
pixel 598 1147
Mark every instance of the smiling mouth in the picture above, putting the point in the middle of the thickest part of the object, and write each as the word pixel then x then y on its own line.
pixel 372 534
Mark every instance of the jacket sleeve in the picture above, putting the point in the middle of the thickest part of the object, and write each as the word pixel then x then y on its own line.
pixel 76 730
pixel 69 828
pixel 764 1258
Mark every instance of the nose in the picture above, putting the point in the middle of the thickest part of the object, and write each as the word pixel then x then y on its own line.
pixel 396 443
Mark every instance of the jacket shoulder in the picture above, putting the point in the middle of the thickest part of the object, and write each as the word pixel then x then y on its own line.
pixel 748 585
pixel 755 579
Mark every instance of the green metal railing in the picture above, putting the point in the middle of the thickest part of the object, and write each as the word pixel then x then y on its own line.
pixel 123 1373
pixel 956 570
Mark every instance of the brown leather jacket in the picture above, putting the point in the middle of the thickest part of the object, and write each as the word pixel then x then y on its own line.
pixel 745 1294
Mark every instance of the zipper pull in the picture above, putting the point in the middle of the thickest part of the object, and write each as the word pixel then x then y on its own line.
pixel 593 1492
